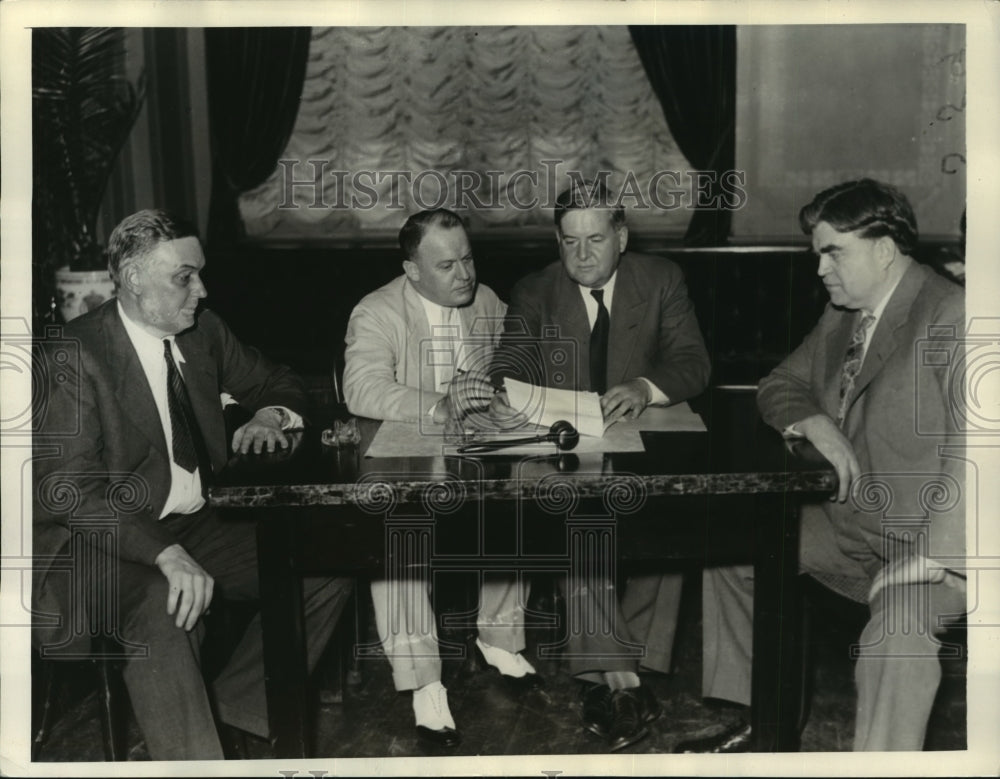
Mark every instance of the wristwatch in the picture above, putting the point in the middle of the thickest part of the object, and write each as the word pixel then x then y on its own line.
pixel 281 414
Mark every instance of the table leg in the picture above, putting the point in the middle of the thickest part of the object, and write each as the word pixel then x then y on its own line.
pixel 283 627
pixel 777 640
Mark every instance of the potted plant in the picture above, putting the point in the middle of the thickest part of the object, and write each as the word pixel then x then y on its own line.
pixel 83 109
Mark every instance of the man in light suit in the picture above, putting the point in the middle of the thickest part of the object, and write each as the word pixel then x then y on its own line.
pixel 637 342
pixel 419 348
pixel 859 390
pixel 132 428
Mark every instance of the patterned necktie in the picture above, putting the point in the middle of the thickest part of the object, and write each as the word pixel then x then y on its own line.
pixel 186 441
pixel 853 359
pixel 599 345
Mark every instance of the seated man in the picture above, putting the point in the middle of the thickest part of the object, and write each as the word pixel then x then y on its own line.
pixel 849 389
pixel 638 343
pixel 409 345
pixel 147 431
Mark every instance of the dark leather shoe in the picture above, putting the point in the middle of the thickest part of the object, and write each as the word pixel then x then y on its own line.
pixel 626 725
pixel 445 737
pixel 596 713
pixel 649 707
pixel 735 738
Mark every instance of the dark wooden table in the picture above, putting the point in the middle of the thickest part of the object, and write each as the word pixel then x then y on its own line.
pixel 727 496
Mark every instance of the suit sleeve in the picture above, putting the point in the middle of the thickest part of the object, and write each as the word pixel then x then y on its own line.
pixel 74 474
pixel 370 367
pixel 254 381
pixel 786 396
pixel 680 366
pixel 516 356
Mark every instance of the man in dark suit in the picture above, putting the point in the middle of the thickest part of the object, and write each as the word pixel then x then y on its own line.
pixel 132 430
pixel 861 391
pixel 637 342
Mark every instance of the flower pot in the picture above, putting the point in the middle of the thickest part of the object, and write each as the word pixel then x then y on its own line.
pixel 78 292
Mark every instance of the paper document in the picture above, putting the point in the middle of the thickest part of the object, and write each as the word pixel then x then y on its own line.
pixel 544 405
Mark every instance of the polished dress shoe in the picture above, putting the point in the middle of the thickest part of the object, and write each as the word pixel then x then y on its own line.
pixel 597 707
pixel 442 737
pixel 735 738
pixel 435 725
pixel 626 725
pixel 596 713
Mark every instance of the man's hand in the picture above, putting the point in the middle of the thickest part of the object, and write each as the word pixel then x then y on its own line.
pixel 503 415
pixel 625 401
pixel 264 430
pixel 823 433
pixel 191 587
pixel 915 569
pixel 468 392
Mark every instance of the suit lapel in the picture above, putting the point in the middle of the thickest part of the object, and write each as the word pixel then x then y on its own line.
pixel 628 307
pixel 135 398
pixel 202 383
pixel 885 338
pixel 570 315
pixel 418 338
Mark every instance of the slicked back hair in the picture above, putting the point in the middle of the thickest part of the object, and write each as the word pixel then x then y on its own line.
pixel 416 227
pixel 137 235
pixel 582 195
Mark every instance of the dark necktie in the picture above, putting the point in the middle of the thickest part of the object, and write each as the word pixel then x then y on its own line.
pixel 187 443
pixel 599 345
pixel 853 359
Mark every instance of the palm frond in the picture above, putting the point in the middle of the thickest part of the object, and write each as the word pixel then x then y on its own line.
pixel 83 109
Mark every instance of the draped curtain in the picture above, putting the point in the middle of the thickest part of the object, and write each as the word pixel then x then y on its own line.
pixel 391 115
pixel 693 71
pixel 255 78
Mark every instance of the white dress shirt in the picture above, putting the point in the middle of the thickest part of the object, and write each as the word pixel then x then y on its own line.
pixel 185 496
pixel 656 394
pixel 445 325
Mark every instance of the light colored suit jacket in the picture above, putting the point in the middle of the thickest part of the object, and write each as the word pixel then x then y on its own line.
pixel 903 420
pixel 99 445
pixel 388 373
pixel 654 332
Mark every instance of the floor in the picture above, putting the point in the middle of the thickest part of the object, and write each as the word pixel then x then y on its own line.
pixel 373 720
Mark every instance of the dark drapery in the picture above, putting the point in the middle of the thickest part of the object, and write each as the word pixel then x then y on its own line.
pixel 692 69
pixel 255 78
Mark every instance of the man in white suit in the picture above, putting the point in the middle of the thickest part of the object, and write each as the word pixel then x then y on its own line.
pixel 416 348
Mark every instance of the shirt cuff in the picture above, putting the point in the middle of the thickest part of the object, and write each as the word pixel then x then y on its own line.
pixel 656 395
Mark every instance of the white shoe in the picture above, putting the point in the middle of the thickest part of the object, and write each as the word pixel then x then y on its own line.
pixel 508 663
pixel 430 707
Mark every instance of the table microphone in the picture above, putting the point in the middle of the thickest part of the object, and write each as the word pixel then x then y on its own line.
pixel 562 434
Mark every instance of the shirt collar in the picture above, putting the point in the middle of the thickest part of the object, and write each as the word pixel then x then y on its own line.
pixel 609 288
pixel 877 311
pixel 144 342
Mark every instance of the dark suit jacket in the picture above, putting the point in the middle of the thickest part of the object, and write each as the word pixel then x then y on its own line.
pixel 654 332
pixel 902 412
pixel 99 446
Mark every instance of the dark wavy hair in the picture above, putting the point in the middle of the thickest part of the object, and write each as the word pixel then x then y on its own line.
pixel 416 227
pixel 138 234
pixel 874 208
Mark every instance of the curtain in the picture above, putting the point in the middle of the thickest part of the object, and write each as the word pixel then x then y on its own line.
pixel 255 80
pixel 693 71
pixel 390 115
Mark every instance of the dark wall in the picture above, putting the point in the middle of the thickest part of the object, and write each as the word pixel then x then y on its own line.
pixel 294 303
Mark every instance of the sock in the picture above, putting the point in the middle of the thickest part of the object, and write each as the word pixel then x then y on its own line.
pixel 621 680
